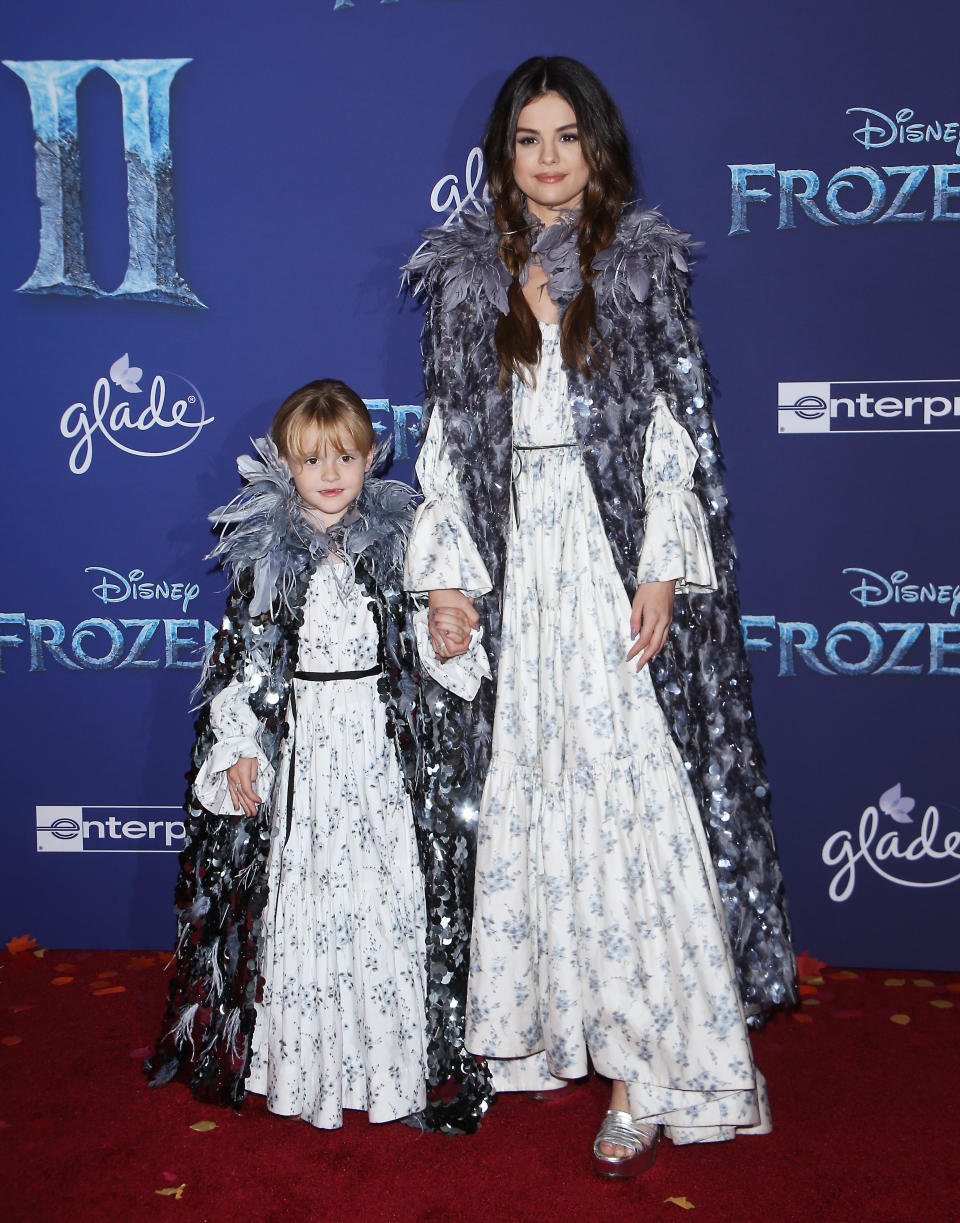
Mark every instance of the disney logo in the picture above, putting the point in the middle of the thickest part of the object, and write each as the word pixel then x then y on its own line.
pixel 874 590
pixel 880 130
pixel 185 415
pixel 114 587
pixel 455 200
pixel 883 854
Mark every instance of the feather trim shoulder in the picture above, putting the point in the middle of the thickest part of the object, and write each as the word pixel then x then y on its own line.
pixel 264 531
pixel 460 262
pixel 646 250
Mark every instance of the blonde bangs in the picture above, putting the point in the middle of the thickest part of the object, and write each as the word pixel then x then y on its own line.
pixel 307 436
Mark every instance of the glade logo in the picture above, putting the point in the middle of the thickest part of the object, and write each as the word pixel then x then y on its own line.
pixel 921 857
pixel 99 829
pixel 856 194
pixel 114 587
pixel 879 130
pixel 449 197
pixel 124 425
pixel 921 406
pixel 861 647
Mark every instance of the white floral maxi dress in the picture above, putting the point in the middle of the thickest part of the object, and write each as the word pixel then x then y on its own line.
pixel 597 919
pixel 343 1019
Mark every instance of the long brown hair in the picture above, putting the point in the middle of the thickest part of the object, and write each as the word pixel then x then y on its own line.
pixel 606 150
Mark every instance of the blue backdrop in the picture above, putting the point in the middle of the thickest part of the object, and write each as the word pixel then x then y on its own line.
pixel 206 206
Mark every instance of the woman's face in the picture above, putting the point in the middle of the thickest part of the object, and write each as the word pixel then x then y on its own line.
pixel 548 163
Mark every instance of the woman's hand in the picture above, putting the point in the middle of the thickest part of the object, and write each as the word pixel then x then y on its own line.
pixel 452 616
pixel 650 619
pixel 240 778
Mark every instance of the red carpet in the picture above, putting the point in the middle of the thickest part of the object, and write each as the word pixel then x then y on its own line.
pixel 864 1086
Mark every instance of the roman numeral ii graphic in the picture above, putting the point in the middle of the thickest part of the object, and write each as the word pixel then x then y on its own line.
pixel 151 273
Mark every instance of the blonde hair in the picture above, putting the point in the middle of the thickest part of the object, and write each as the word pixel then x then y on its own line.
pixel 329 406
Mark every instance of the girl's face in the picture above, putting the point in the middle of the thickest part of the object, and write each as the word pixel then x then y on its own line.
pixel 328 480
pixel 548 162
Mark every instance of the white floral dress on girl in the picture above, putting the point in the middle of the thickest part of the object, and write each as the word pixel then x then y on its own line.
pixel 343 1019
pixel 597 921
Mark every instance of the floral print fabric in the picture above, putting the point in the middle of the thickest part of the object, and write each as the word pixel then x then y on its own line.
pixel 597 925
pixel 342 1023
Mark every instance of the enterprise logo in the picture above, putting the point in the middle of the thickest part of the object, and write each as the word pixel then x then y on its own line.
pixel 131 830
pixel 869 407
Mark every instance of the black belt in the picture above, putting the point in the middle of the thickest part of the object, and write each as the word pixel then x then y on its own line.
pixel 317 677
pixel 518 452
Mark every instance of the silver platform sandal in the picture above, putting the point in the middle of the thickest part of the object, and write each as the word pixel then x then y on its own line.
pixel 621 1129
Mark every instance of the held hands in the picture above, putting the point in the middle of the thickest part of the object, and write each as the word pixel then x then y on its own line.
pixel 240 778
pixel 452 616
pixel 650 619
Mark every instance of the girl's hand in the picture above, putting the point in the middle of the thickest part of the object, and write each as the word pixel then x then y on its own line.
pixel 452 616
pixel 650 619
pixel 240 778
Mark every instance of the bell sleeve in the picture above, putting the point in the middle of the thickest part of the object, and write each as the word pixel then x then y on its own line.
pixel 441 555
pixel 236 728
pixel 676 541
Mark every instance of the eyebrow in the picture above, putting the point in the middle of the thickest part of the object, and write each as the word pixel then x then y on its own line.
pixel 536 131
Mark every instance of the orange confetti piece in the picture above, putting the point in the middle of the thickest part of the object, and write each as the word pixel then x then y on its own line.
pixel 943 1004
pixel 808 965
pixel 810 1002
pixel 41 953
pixel 806 990
pixel 203 1127
pixel 65 967
pixel 844 975
pixel 62 981
pixel 813 980
pixel 923 983
pixel 801 1018
pixel 23 942
pixel 683 1203
pixel 895 981
pixel 110 973
pixel 110 989
pixel 954 987
pixel 172 1193
pixel 143 961
pixel 900 1019
pixel 11 1040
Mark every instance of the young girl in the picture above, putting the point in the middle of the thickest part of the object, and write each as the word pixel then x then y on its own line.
pixel 302 957
pixel 572 486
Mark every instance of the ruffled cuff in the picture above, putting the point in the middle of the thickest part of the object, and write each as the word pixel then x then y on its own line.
pixel 236 728
pixel 210 786
pixel 441 555
pixel 463 674
pixel 676 543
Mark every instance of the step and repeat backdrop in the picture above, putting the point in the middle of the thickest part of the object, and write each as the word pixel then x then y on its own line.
pixel 204 206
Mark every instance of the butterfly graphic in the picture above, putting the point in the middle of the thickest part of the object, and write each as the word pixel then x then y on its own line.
pixel 893 803
pixel 125 375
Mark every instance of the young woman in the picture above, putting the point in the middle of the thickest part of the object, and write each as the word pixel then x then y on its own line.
pixel 572 490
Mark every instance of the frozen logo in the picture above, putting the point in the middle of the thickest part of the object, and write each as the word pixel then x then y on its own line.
pixel 164 421
pixel 857 648
pixel 449 196
pixel 114 587
pixel 856 194
pixel 880 130
pixel 891 842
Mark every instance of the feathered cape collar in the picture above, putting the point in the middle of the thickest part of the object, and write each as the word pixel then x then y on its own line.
pixel 266 531
pixel 463 260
